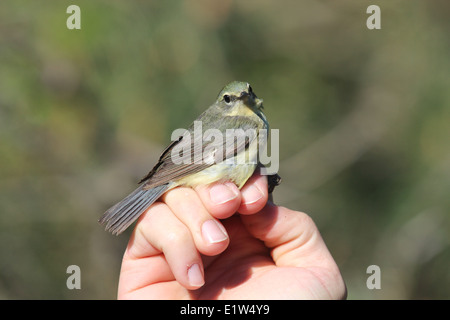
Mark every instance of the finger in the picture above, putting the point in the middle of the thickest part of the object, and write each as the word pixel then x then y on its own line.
pixel 160 231
pixel 292 236
pixel 296 242
pixel 209 235
pixel 254 194
pixel 220 199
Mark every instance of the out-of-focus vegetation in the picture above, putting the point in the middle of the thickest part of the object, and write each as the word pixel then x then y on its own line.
pixel 364 119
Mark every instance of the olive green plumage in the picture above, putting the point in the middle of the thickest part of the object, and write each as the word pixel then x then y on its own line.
pixel 225 150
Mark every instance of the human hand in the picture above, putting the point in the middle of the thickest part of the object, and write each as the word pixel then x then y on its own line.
pixel 181 250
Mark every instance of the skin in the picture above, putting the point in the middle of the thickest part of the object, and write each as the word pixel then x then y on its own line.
pixel 192 245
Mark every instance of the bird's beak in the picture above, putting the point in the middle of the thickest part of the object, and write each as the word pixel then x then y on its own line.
pixel 243 95
pixel 251 100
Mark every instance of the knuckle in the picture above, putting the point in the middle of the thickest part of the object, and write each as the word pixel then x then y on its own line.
pixel 177 236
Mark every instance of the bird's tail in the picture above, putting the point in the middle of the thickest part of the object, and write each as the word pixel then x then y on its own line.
pixel 120 216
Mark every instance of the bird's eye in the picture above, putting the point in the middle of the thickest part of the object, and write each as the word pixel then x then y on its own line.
pixel 227 98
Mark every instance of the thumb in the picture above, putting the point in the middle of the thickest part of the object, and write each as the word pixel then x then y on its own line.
pixel 294 241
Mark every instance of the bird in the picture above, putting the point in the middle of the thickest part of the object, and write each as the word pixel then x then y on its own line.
pixel 221 145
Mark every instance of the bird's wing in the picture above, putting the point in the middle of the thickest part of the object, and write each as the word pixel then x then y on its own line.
pixel 192 153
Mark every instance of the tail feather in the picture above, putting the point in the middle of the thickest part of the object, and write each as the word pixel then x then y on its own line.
pixel 120 216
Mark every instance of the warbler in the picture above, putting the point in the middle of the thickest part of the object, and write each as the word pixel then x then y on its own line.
pixel 225 150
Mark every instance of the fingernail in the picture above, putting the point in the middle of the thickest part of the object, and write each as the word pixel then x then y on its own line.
pixel 213 232
pixel 251 194
pixel 221 193
pixel 195 276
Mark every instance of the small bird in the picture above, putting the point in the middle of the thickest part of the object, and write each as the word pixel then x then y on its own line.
pixel 225 150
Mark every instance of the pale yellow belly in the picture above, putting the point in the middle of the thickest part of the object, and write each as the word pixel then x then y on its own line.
pixel 237 170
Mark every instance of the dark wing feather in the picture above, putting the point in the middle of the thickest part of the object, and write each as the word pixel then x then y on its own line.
pixel 196 158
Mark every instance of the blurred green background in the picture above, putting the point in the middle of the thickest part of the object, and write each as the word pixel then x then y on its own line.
pixel 364 119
